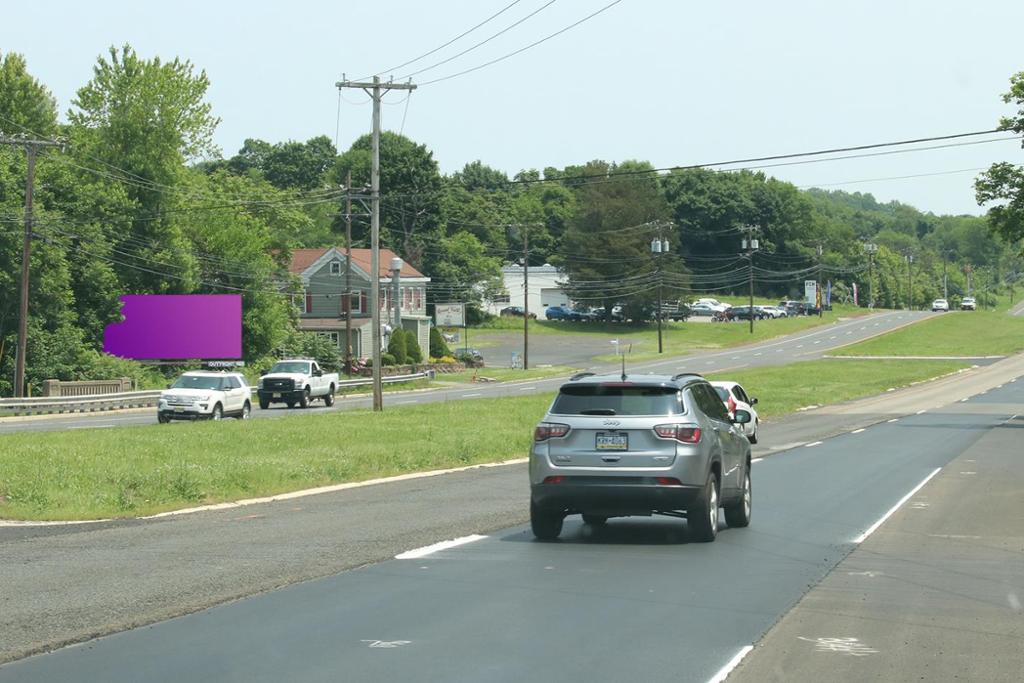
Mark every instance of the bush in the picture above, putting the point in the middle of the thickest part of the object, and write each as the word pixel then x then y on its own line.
pixel 438 346
pixel 386 359
pixel 412 347
pixel 396 347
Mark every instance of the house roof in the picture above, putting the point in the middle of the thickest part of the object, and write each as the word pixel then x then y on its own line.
pixel 304 258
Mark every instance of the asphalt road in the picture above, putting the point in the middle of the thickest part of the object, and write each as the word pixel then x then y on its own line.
pixel 634 601
pixel 806 345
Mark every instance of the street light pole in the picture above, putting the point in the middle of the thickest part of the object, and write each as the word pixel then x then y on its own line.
pixel 751 245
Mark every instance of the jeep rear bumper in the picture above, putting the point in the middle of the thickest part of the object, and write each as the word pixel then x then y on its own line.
pixel 612 496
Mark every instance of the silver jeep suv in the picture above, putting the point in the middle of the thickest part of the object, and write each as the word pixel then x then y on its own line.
pixel 612 446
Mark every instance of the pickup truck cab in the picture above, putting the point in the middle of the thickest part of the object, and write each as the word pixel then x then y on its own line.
pixel 296 382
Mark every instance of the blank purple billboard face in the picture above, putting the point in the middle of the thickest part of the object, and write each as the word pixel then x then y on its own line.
pixel 177 327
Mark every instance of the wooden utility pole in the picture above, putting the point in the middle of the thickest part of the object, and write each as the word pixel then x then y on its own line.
pixel 31 150
pixel 375 89
pixel 526 298
pixel 348 273
pixel 751 245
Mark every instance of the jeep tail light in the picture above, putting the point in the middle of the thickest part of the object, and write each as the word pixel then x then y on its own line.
pixel 681 433
pixel 549 430
pixel 668 481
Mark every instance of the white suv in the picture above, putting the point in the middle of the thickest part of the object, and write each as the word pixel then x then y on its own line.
pixel 212 395
pixel 968 304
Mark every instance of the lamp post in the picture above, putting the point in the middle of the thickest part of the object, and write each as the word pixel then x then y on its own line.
pixel 396 271
pixel 659 246
pixel 751 245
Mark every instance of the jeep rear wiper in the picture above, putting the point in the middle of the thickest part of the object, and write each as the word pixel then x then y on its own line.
pixel 598 411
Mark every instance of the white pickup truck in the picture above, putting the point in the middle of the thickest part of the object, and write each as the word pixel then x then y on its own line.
pixel 296 382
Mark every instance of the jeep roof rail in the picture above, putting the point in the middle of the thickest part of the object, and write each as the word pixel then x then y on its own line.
pixel 581 375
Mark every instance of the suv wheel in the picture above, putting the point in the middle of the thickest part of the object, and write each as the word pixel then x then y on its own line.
pixel 217 413
pixel 737 514
pixel 329 398
pixel 304 398
pixel 702 517
pixel 546 524
pixel 594 520
pixel 264 403
pixel 246 411
pixel 162 419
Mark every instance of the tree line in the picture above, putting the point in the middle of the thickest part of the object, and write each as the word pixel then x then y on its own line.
pixel 140 200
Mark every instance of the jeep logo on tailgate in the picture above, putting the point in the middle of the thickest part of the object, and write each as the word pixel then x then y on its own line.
pixel 611 423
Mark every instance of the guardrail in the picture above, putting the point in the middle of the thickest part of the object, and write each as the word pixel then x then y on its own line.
pixel 49 405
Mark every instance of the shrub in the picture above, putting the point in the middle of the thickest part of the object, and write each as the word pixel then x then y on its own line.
pixel 412 347
pixel 396 347
pixel 438 347
pixel 388 359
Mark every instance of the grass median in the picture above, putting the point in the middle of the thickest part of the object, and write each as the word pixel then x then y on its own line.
pixel 957 333
pixel 136 471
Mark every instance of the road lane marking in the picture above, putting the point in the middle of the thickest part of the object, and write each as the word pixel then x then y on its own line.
pixel 871 529
pixel 437 547
pixel 832 337
pixel 527 388
pixel 385 643
pixel 844 646
pixel 814 443
pixel 735 358
pixel 895 419
pixel 756 460
pixel 92 427
pixel 758 354
pixel 799 346
pixel 857 431
pixel 818 341
pixel 470 395
pixel 402 403
pixel 920 412
pixel 724 672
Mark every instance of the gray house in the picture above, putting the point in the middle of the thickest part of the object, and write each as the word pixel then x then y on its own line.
pixel 325 306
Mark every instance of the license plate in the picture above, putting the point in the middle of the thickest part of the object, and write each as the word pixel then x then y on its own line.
pixel 179 410
pixel 612 441
pixel 276 395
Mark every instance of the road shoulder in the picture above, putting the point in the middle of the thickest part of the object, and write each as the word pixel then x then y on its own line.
pixel 935 594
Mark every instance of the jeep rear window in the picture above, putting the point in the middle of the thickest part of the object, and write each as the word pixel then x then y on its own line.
pixel 603 399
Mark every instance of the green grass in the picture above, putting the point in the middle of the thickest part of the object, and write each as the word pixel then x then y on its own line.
pixel 135 471
pixel 506 374
pixel 142 470
pixel 785 388
pixel 958 333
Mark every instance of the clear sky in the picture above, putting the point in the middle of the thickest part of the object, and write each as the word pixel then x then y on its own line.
pixel 672 82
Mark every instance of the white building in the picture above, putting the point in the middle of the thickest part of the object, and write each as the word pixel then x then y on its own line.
pixel 545 289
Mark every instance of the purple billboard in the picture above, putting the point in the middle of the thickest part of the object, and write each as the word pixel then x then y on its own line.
pixel 177 327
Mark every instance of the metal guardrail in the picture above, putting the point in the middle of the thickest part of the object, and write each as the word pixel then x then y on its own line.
pixel 44 405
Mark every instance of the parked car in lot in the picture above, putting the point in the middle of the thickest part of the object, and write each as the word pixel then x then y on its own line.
pixel 734 397
pixel 205 395
pixel 296 382
pixel 774 311
pixel 714 303
pixel 560 313
pixel 940 305
pixel 516 312
pixel 747 312
pixel 968 304
pixel 614 446
pixel 792 307
pixel 703 310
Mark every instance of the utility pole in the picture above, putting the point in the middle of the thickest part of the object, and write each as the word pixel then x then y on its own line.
pixel 374 89
pixel 970 271
pixel 348 273
pixel 31 150
pixel 751 245
pixel 871 249
pixel 526 298
pixel 817 291
pixel 910 281
pixel 659 247
pixel 945 278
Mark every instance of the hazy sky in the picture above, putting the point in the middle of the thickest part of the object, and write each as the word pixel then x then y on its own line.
pixel 673 83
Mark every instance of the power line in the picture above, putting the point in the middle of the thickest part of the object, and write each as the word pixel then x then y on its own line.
pixel 524 49
pixel 482 42
pixel 441 47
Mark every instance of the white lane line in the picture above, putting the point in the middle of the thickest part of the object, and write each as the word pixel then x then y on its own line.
pixel 864 327
pixel 818 342
pixel 735 358
pixel 849 333
pixel 857 431
pixel 895 419
pixel 710 362
pixel 920 412
pixel 779 350
pixel 799 346
pixel 92 427
pixel 963 400
pixel 470 395
pixel 756 460
pixel 402 403
pixel 724 672
pixel 894 508
pixel 527 388
pixel 437 547
pixel 832 337
pixel 813 443
pixel 758 354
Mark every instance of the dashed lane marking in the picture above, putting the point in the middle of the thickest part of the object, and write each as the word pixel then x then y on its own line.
pixel 895 419
pixel 814 443
pixel 437 547
pixel 857 431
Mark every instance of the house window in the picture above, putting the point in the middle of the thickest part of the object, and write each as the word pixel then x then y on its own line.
pixel 406 298
pixel 335 267
pixel 352 305
pixel 308 303
pixel 418 299
pixel 502 298
pixel 334 337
